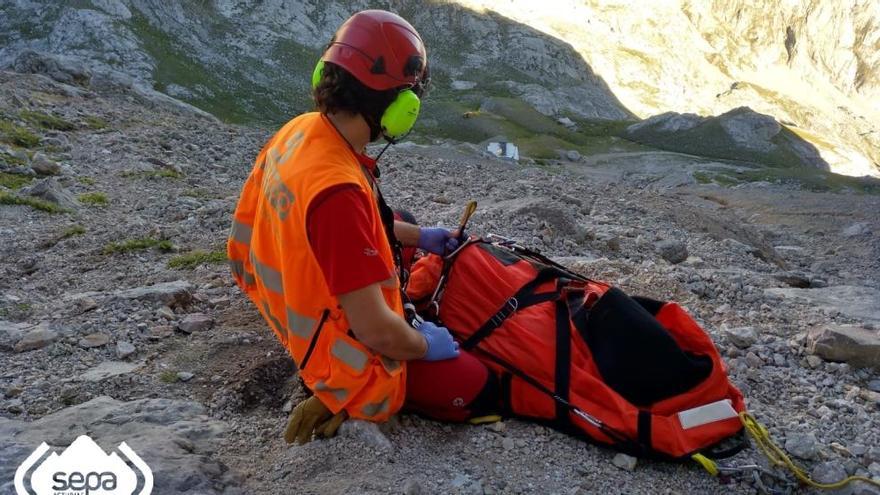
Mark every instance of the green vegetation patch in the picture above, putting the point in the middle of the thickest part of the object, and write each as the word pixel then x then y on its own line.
pixel 46 121
pixel 86 180
pixel 94 199
pixel 95 123
pixel 138 244
pixel 35 203
pixel 14 181
pixel 168 376
pixel 810 179
pixel 229 94
pixel 195 258
pixel 474 119
pixel 72 231
pixel 17 135
pixel 153 174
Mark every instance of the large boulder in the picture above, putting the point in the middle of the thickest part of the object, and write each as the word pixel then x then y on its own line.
pixel 49 189
pixel 175 438
pixel 62 69
pixel 173 293
pixel 855 345
pixel 740 134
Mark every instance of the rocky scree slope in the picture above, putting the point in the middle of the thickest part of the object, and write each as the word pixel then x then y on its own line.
pixel 118 317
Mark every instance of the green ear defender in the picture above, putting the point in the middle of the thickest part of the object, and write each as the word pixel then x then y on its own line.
pixel 400 116
pixel 316 74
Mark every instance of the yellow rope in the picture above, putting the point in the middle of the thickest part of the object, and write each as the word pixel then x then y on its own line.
pixel 778 457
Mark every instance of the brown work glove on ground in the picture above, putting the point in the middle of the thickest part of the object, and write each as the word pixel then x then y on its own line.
pixel 310 417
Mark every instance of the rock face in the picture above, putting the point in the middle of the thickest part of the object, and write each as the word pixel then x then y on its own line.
pixel 169 293
pixel 590 59
pixel 854 301
pixel 174 438
pixel 740 134
pixel 857 346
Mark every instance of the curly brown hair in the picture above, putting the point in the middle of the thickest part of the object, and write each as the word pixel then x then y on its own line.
pixel 339 91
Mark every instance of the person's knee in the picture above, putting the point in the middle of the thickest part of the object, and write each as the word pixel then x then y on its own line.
pixel 452 390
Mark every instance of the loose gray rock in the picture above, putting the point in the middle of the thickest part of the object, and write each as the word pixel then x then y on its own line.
pixel 160 332
pixel 741 337
pixel 794 279
pixel 857 346
pixel 366 432
pixel 874 386
pixel 672 251
pixel 753 360
pixel 802 445
pixel 625 462
pixel 573 155
pixel 185 376
pixel 43 165
pixel 169 293
pixel 94 340
pixel 10 334
pixel 106 370
pixel 36 338
pixel 857 229
pixel 412 487
pixel 50 190
pixel 829 472
pixel 195 322
pixel 124 349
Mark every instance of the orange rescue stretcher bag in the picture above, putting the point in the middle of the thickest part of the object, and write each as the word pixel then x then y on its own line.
pixel 580 355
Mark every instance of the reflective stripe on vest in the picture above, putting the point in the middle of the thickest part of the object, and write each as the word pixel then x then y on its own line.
pixel 390 365
pixel 375 408
pixel 238 270
pixel 299 325
pixel 270 277
pixel 279 328
pixel 339 393
pixel 350 355
pixel 241 232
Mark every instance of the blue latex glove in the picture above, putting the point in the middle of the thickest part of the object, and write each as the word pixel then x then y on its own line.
pixel 438 240
pixel 440 343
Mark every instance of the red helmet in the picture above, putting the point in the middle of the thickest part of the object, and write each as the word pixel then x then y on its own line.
pixel 380 49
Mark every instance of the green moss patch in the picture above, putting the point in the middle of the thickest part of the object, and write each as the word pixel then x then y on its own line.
pixel 94 199
pixel 14 181
pixel 95 123
pixel 168 376
pixel 35 203
pixel 138 245
pixel 17 135
pixel 195 258
pixel 810 179
pixel 46 121
pixel 72 231
pixel 153 174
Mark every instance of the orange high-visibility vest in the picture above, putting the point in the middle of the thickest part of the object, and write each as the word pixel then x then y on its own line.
pixel 273 262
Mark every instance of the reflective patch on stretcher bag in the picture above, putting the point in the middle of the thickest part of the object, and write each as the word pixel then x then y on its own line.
pixel 705 414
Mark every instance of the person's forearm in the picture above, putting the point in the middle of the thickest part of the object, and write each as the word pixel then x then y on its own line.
pixel 393 337
pixel 407 233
